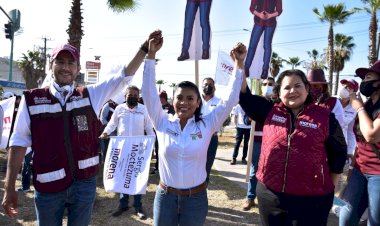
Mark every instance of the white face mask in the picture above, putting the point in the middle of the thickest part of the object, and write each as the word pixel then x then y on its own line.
pixel 267 91
pixel 344 93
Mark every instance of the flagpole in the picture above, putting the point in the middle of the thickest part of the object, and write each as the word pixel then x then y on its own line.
pixel 196 72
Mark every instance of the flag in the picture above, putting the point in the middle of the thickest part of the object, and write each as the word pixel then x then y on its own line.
pixel 224 68
pixel 126 168
pixel 8 106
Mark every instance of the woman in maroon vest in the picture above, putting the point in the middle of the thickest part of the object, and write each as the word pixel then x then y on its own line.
pixel 303 150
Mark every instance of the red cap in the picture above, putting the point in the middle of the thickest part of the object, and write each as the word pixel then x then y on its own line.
pixel 66 47
pixel 350 83
pixel 362 72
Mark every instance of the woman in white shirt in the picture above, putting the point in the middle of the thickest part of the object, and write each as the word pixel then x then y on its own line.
pixel 181 197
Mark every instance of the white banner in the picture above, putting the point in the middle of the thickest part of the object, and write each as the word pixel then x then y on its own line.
pixel 126 168
pixel 8 106
pixel 224 68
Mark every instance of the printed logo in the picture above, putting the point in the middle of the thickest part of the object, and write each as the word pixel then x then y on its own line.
pixel 279 119
pixel 81 122
pixel 308 124
pixel 75 98
pixel 142 148
pixel 41 100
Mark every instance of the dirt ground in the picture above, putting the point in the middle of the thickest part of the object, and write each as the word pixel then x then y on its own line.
pixel 225 201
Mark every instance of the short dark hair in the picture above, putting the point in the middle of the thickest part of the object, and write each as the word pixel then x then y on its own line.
pixel 300 74
pixel 132 88
pixel 192 86
pixel 209 78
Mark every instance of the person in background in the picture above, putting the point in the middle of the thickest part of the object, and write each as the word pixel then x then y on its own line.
pixel 181 196
pixel 105 116
pixel 267 92
pixel 243 130
pixel 303 151
pixel 349 86
pixel 363 186
pixel 168 108
pixel 320 94
pixel 130 119
pixel 26 171
pixel 209 103
pixel 63 118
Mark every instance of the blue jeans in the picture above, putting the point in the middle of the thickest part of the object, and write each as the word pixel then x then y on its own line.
pixel 186 210
pixel 240 134
pixel 204 12
pixel 256 33
pixel 123 201
pixel 211 153
pixel 26 171
pixel 362 191
pixel 78 198
pixel 251 191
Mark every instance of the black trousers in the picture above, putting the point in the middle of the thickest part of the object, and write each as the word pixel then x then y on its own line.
pixel 280 209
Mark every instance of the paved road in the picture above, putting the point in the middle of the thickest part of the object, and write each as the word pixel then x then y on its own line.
pixel 234 173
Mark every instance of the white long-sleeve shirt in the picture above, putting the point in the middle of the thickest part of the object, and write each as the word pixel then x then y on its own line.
pixel 348 128
pixel 130 122
pixel 183 152
pixel 99 93
pixel 339 112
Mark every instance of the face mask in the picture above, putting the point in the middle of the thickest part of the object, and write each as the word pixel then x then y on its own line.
pixel 366 87
pixel 132 101
pixel 208 90
pixel 344 93
pixel 267 91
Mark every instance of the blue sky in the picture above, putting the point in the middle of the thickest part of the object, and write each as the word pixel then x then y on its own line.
pixel 116 37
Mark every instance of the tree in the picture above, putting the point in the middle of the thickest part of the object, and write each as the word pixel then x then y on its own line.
pixel 294 61
pixel 173 85
pixel 159 83
pixel 32 66
pixel 332 14
pixel 374 5
pixel 316 60
pixel 75 31
pixel 275 64
pixel 342 53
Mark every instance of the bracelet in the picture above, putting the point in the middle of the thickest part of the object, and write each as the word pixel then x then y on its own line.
pixel 360 109
pixel 144 48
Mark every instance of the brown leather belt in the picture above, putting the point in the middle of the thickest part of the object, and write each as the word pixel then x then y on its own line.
pixel 189 191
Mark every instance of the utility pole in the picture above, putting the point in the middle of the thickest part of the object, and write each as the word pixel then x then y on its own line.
pixel 45 57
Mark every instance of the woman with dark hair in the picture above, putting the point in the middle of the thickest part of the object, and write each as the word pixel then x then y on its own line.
pixel 181 196
pixel 303 148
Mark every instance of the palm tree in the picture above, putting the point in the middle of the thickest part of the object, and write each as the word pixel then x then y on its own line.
pixel 173 85
pixel 342 53
pixel 316 60
pixel 374 5
pixel 332 14
pixel 294 61
pixel 32 66
pixel 75 31
pixel 160 83
pixel 275 64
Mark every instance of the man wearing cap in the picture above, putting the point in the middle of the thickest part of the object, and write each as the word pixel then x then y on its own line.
pixel 319 92
pixel 60 123
pixel 363 186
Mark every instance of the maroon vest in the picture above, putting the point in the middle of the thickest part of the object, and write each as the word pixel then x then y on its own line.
pixel 328 103
pixel 64 139
pixel 296 163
